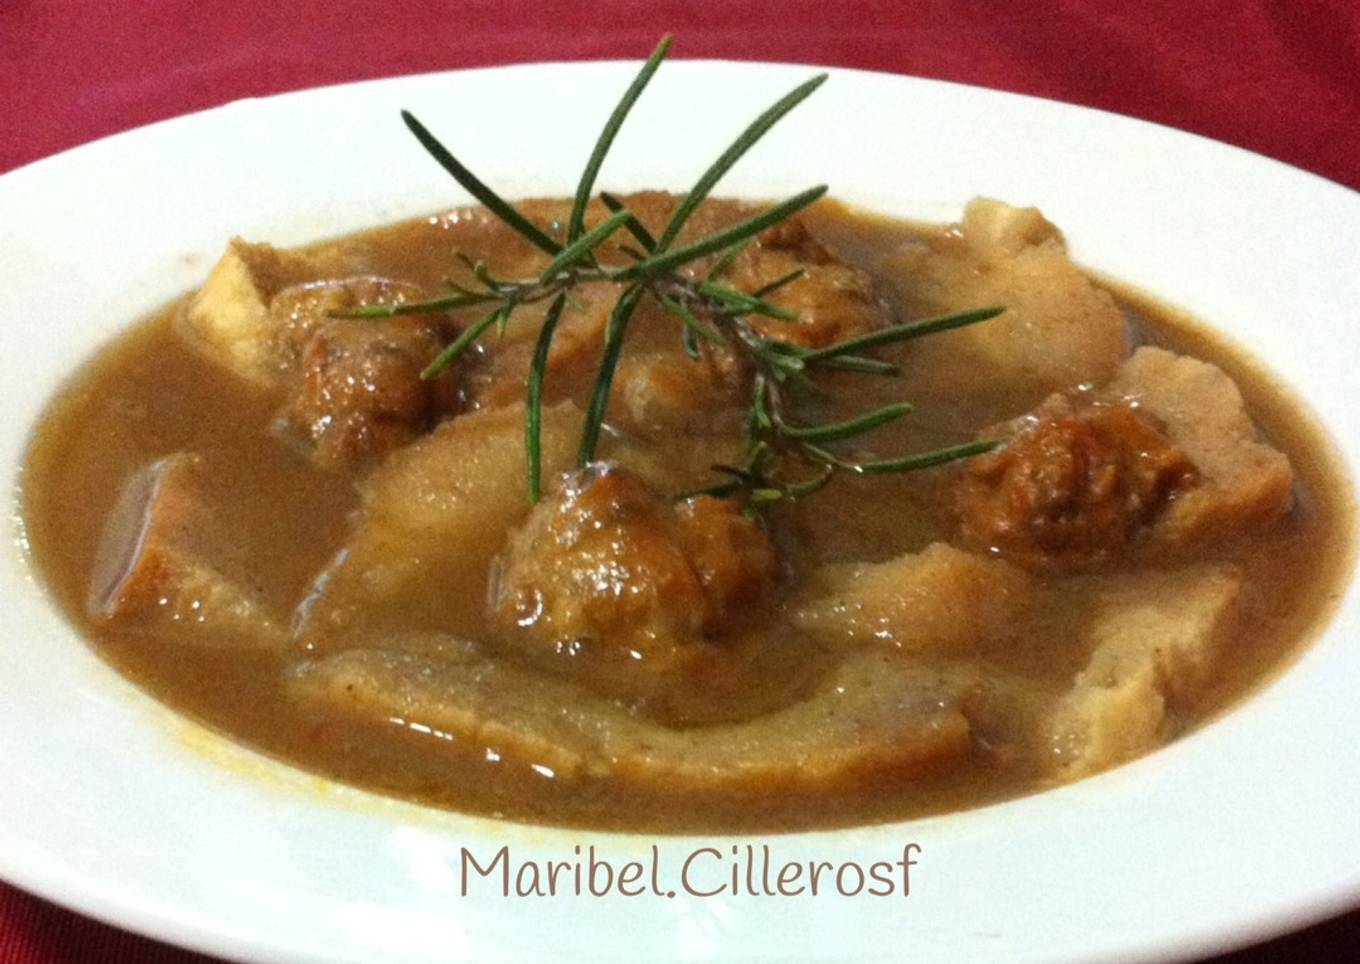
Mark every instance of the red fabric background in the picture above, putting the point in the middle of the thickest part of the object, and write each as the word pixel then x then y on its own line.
pixel 1277 76
pixel 1281 77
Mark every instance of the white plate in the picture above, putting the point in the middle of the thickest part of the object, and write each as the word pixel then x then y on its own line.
pixel 116 807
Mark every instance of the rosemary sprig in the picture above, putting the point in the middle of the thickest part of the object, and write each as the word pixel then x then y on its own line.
pixel 785 459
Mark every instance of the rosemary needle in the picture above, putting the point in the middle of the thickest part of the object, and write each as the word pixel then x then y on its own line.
pixel 576 222
pixel 533 398
pixel 711 313
pixel 604 375
pixel 492 201
pixel 445 358
pixel 757 129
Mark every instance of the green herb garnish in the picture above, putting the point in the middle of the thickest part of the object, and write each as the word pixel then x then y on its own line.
pixel 707 310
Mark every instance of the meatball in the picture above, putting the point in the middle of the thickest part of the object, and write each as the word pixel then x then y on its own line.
pixel 1074 483
pixel 361 394
pixel 792 235
pixel 609 569
pixel 831 301
pixel 299 310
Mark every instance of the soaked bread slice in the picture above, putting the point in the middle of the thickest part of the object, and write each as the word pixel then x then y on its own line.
pixel 873 714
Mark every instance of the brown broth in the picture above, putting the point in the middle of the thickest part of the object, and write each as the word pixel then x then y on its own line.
pixel 146 395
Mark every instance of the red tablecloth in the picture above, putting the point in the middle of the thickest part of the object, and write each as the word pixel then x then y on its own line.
pixel 1281 77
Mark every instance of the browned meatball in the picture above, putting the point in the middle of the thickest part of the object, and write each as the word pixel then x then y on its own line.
pixel 831 301
pixel 792 235
pixel 301 309
pixel 361 394
pixel 731 555
pixel 1073 483
pixel 613 571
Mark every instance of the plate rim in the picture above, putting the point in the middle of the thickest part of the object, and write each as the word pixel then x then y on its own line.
pixel 193 933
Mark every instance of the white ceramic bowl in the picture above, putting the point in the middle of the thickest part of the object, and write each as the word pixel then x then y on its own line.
pixel 115 806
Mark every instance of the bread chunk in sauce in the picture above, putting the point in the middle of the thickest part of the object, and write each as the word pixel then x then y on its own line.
pixel 435 517
pixel 229 320
pixel 1243 482
pixel 941 600
pixel 1156 640
pixel 873 716
pixel 1163 458
pixel 1059 329
pixel 166 556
